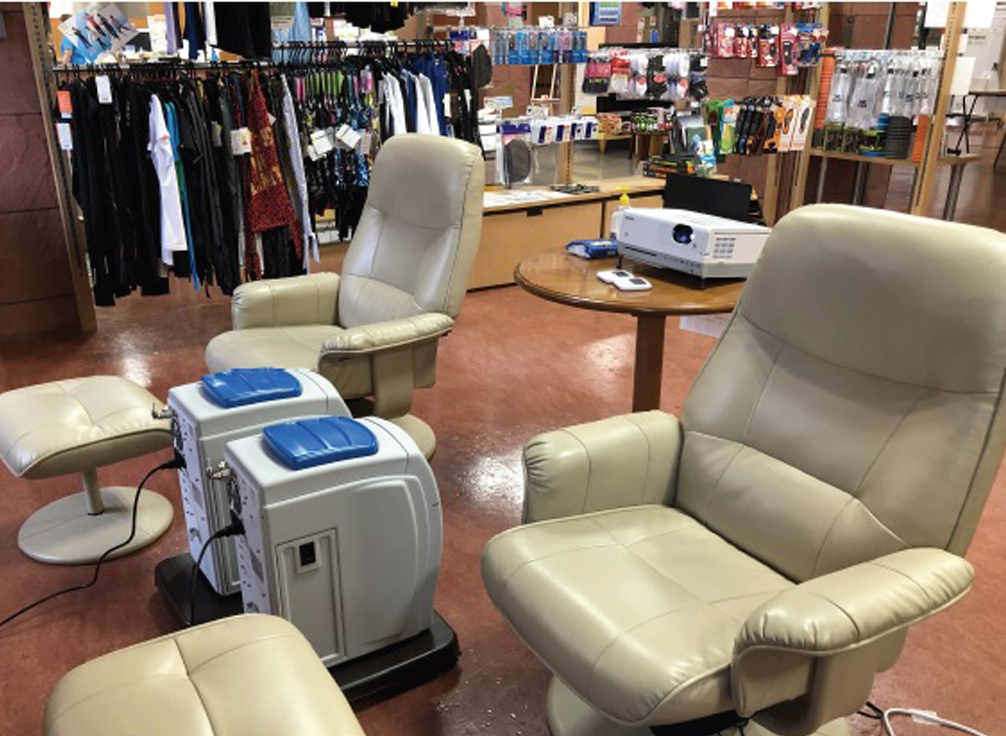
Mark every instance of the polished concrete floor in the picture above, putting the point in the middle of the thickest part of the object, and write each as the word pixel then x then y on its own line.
pixel 514 366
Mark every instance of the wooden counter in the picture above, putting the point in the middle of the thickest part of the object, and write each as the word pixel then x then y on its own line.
pixel 513 232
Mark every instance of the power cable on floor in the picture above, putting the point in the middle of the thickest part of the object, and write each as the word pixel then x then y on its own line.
pixel 176 462
pixel 926 716
pixel 873 711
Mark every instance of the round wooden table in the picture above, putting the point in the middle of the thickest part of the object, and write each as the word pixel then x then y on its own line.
pixel 559 277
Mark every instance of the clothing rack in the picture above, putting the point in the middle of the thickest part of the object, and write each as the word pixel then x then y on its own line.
pixel 377 43
pixel 170 66
pixel 307 53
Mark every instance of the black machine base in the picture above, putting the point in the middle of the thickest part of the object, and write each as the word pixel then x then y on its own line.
pixel 375 676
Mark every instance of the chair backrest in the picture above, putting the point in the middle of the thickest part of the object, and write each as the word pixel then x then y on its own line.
pixel 415 245
pixel 852 408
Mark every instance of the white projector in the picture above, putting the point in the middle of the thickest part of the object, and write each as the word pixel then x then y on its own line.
pixel 342 532
pixel 692 242
pixel 223 407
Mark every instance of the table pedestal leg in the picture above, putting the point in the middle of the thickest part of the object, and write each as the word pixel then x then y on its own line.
pixel 953 190
pixel 649 361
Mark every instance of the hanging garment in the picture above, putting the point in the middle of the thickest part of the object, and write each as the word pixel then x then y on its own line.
pixel 88 177
pixel 125 177
pixel 210 22
pixel 162 153
pixel 228 180
pixel 244 29
pixel 209 251
pixel 433 68
pixel 409 99
pixel 378 17
pixel 182 265
pixel 194 32
pixel 396 106
pixel 426 95
pixel 482 67
pixel 269 206
pixel 299 30
pixel 297 161
pixel 173 33
pixel 422 118
pixel 148 247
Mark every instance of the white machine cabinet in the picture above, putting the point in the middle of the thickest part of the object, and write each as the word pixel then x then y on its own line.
pixel 348 550
pixel 203 426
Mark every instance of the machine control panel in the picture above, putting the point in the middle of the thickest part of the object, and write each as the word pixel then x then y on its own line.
pixel 244 386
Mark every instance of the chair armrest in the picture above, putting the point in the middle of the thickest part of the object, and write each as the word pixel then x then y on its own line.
pixel 398 333
pixel 853 606
pixel 626 460
pixel 841 621
pixel 297 300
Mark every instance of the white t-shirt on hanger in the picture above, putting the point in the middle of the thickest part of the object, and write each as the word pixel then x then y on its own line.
pixel 426 90
pixel 422 119
pixel 172 223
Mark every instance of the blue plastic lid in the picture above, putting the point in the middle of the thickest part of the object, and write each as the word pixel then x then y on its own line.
pixel 310 442
pixel 243 386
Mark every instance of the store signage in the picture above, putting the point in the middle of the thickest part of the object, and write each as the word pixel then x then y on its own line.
pixel 605 13
pixel 98 30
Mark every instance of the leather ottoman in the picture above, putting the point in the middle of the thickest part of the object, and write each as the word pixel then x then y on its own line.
pixel 77 426
pixel 240 676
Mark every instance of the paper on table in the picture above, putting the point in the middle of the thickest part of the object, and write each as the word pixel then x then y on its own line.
pixel 520 196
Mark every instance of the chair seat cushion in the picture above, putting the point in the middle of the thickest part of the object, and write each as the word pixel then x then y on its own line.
pixel 77 425
pixel 249 674
pixel 296 346
pixel 635 609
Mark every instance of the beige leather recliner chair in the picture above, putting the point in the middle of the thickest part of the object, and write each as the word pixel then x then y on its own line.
pixel 764 556
pixel 373 330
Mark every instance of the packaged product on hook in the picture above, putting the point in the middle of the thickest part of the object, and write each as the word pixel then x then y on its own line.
pixel 768 49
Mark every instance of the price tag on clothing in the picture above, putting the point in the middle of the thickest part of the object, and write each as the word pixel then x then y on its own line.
pixel 217 134
pixel 347 137
pixel 104 89
pixel 366 143
pixel 240 141
pixel 65 105
pixel 321 142
pixel 64 137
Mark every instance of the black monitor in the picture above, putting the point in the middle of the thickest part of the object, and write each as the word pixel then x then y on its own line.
pixel 710 196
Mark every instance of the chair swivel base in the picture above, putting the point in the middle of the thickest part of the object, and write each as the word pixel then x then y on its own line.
pixel 569 715
pixel 421 433
pixel 369 678
pixel 64 533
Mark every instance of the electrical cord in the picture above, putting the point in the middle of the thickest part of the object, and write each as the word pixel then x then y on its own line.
pixel 923 715
pixel 235 527
pixel 873 711
pixel 175 462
